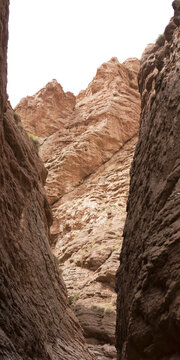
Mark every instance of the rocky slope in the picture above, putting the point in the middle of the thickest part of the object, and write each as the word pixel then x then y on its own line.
pixel 88 161
pixel 148 306
pixel 36 321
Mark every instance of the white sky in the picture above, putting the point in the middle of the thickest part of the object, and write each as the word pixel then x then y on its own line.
pixel 68 40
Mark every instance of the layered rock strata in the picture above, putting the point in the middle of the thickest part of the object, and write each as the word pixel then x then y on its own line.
pixel 36 321
pixel 148 305
pixel 88 161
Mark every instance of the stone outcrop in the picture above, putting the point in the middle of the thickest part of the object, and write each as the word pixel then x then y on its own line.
pixel 36 321
pixel 148 305
pixel 88 161
pixel 50 104
pixel 105 116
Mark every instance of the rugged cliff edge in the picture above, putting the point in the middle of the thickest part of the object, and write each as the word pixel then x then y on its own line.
pixel 88 161
pixel 36 321
pixel 148 285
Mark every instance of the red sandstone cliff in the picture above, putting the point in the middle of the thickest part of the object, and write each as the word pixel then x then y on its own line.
pixel 148 306
pixel 88 161
pixel 36 321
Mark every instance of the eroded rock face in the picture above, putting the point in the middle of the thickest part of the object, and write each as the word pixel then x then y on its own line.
pixel 90 221
pixel 106 115
pixel 36 321
pixel 148 306
pixel 50 104
pixel 88 161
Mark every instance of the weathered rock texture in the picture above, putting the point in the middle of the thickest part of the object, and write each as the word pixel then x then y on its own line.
pixel 105 116
pixel 148 282
pixel 88 161
pixel 36 321
pixel 4 13
pixel 90 222
pixel 50 104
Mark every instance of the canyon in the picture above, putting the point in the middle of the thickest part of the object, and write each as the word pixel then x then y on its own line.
pixel 73 234
pixel 88 160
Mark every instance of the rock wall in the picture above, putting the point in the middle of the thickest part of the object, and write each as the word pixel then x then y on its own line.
pixel 148 305
pixel 36 321
pixel 88 160
pixel 4 13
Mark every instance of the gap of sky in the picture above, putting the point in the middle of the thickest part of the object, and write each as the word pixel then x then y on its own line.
pixel 68 40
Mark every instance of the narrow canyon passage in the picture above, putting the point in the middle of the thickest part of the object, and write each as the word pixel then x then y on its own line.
pixel 89 203
pixel 87 148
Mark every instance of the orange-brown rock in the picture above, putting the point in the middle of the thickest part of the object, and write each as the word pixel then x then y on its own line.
pixel 50 104
pixel 90 221
pixel 148 305
pixel 105 116
pixel 36 321
pixel 88 161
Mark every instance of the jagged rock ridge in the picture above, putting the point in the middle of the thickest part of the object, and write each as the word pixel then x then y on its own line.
pixel 50 104
pixel 105 116
pixel 148 306
pixel 88 161
pixel 36 321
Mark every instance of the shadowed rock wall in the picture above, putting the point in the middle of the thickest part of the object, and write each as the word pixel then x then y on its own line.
pixel 148 283
pixel 4 13
pixel 36 321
